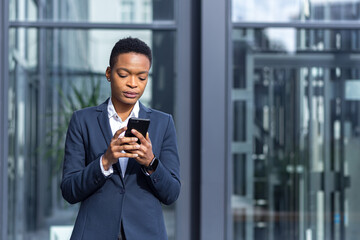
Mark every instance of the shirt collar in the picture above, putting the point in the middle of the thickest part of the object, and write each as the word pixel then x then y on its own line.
pixel 112 113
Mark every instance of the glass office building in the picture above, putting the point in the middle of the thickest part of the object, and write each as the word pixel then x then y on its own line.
pixel 265 97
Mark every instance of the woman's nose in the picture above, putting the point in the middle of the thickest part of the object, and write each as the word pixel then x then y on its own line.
pixel 131 82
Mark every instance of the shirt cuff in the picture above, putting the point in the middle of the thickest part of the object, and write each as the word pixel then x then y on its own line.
pixel 108 172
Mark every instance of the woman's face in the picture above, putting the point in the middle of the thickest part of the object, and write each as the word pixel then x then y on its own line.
pixel 128 77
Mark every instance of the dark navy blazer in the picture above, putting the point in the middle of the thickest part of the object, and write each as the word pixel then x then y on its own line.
pixel 106 201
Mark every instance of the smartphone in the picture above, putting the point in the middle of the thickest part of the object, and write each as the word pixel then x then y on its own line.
pixel 141 125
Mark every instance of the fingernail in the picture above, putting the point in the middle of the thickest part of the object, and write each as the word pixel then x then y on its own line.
pixel 137 146
pixel 135 155
pixel 133 130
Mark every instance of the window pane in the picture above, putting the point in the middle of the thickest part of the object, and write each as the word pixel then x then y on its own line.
pixel 303 134
pixel 47 68
pixel 239 133
pixel 119 11
pixel 289 40
pixel 287 11
pixel 239 184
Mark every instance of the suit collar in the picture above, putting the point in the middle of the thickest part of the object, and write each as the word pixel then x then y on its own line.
pixel 143 113
pixel 144 109
pixel 102 107
pixel 103 121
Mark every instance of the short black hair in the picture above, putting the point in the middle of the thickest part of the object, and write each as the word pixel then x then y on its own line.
pixel 127 45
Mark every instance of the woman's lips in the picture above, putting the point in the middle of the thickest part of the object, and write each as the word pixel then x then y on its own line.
pixel 130 94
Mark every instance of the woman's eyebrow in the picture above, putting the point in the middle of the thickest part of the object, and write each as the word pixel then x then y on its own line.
pixel 142 72
pixel 127 70
pixel 124 69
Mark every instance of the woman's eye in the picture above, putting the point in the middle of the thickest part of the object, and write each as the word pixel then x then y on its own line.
pixel 122 76
pixel 142 78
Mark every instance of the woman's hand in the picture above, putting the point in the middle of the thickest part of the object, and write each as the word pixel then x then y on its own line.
pixel 143 151
pixel 116 148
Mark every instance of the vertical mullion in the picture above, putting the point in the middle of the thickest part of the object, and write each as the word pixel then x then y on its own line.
pixel 41 201
pixel 213 126
pixel 249 61
pixel 327 148
pixel 229 220
pixel 342 162
pixel 271 155
pixel 187 117
pixel 4 74
pixel 311 143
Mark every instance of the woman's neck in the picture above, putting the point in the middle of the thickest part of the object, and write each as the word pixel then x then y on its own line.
pixel 123 110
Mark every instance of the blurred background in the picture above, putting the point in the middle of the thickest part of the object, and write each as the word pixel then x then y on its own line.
pixel 265 97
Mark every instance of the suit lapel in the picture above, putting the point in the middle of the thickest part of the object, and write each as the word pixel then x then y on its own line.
pixel 103 120
pixel 104 124
pixel 143 113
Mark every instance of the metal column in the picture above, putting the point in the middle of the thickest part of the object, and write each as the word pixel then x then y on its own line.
pixel 4 78
pixel 188 118
pixel 214 137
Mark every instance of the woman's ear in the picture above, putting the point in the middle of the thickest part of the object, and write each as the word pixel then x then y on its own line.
pixel 108 73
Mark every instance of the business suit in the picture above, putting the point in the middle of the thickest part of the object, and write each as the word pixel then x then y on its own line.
pixel 107 202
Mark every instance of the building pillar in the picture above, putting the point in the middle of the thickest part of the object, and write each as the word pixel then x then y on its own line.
pixel 213 119
pixel 4 78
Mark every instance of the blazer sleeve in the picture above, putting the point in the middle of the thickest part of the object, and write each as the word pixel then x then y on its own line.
pixel 165 180
pixel 79 180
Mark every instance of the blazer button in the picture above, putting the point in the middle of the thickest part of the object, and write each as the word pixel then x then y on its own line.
pixel 122 191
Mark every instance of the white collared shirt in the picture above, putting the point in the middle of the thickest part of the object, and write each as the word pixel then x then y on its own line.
pixel 115 124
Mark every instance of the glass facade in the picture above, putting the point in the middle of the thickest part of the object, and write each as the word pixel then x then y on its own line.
pixel 295 97
pixel 265 97
pixel 53 72
pixel 297 10
pixel 114 11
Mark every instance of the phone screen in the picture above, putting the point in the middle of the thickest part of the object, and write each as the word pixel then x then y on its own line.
pixel 141 125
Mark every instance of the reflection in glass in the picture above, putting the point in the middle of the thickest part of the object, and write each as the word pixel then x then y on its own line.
pixel 299 10
pixel 23 10
pixel 304 134
pixel 118 11
pixel 52 73
pixel 239 226
pixel 239 133
pixel 288 40
pixel 22 132
pixel 239 59
pixel 239 174
pixel 351 165
pixel 262 10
